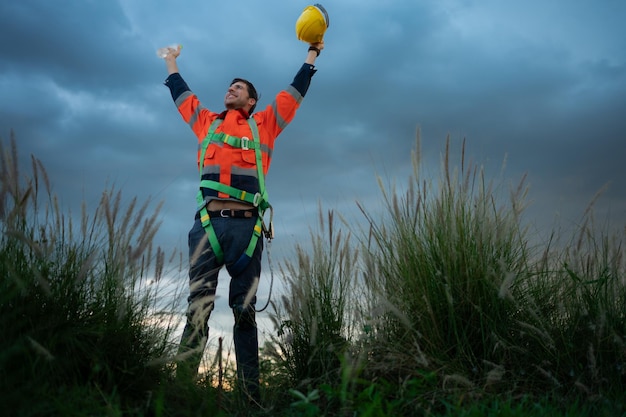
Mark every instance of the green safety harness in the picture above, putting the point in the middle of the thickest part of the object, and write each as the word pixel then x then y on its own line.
pixel 259 200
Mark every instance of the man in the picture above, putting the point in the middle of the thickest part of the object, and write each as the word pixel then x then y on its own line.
pixel 232 197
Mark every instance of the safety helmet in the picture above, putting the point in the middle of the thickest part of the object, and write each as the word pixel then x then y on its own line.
pixel 312 24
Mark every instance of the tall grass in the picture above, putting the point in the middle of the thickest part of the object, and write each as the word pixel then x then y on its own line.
pixel 314 317
pixel 465 294
pixel 441 268
pixel 454 301
pixel 576 302
pixel 440 305
pixel 78 299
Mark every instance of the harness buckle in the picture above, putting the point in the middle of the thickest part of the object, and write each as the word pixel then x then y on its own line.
pixel 268 230
pixel 257 200
pixel 245 143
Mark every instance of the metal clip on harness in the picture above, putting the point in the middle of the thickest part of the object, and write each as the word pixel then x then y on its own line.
pixel 268 231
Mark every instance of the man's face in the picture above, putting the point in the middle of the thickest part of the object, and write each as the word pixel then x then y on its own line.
pixel 237 97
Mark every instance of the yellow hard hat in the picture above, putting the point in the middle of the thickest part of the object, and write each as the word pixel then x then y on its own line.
pixel 312 24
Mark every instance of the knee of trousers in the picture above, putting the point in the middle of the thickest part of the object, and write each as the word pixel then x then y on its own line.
pixel 245 317
pixel 200 310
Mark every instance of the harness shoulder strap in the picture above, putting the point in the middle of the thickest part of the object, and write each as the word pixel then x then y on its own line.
pixel 204 216
pixel 259 164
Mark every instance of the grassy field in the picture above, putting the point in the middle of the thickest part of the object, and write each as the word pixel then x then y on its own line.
pixel 444 306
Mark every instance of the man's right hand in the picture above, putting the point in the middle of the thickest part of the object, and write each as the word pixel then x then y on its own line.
pixel 173 52
pixel 170 59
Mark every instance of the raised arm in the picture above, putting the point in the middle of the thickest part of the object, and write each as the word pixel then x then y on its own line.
pixel 302 80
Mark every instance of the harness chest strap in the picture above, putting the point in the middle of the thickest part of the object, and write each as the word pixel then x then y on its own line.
pixel 257 200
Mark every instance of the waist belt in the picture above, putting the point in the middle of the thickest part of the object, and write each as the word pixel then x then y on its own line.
pixel 241 214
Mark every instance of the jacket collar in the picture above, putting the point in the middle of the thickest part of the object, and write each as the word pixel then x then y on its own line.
pixel 242 112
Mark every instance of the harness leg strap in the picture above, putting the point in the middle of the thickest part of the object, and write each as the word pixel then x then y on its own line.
pixel 244 259
pixel 208 227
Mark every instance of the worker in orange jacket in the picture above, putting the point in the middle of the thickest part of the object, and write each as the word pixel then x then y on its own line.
pixel 230 201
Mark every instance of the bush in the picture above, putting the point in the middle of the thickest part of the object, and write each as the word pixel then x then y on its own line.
pixel 77 302
pixel 448 296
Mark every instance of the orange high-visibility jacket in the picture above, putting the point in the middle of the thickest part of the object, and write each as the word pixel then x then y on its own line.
pixel 234 166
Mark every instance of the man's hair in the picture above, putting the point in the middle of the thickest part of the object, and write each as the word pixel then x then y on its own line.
pixel 251 92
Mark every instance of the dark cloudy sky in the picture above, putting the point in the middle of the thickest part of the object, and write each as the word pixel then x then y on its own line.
pixel 540 82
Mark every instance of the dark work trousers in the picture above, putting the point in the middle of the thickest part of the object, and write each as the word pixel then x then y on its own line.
pixel 234 236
